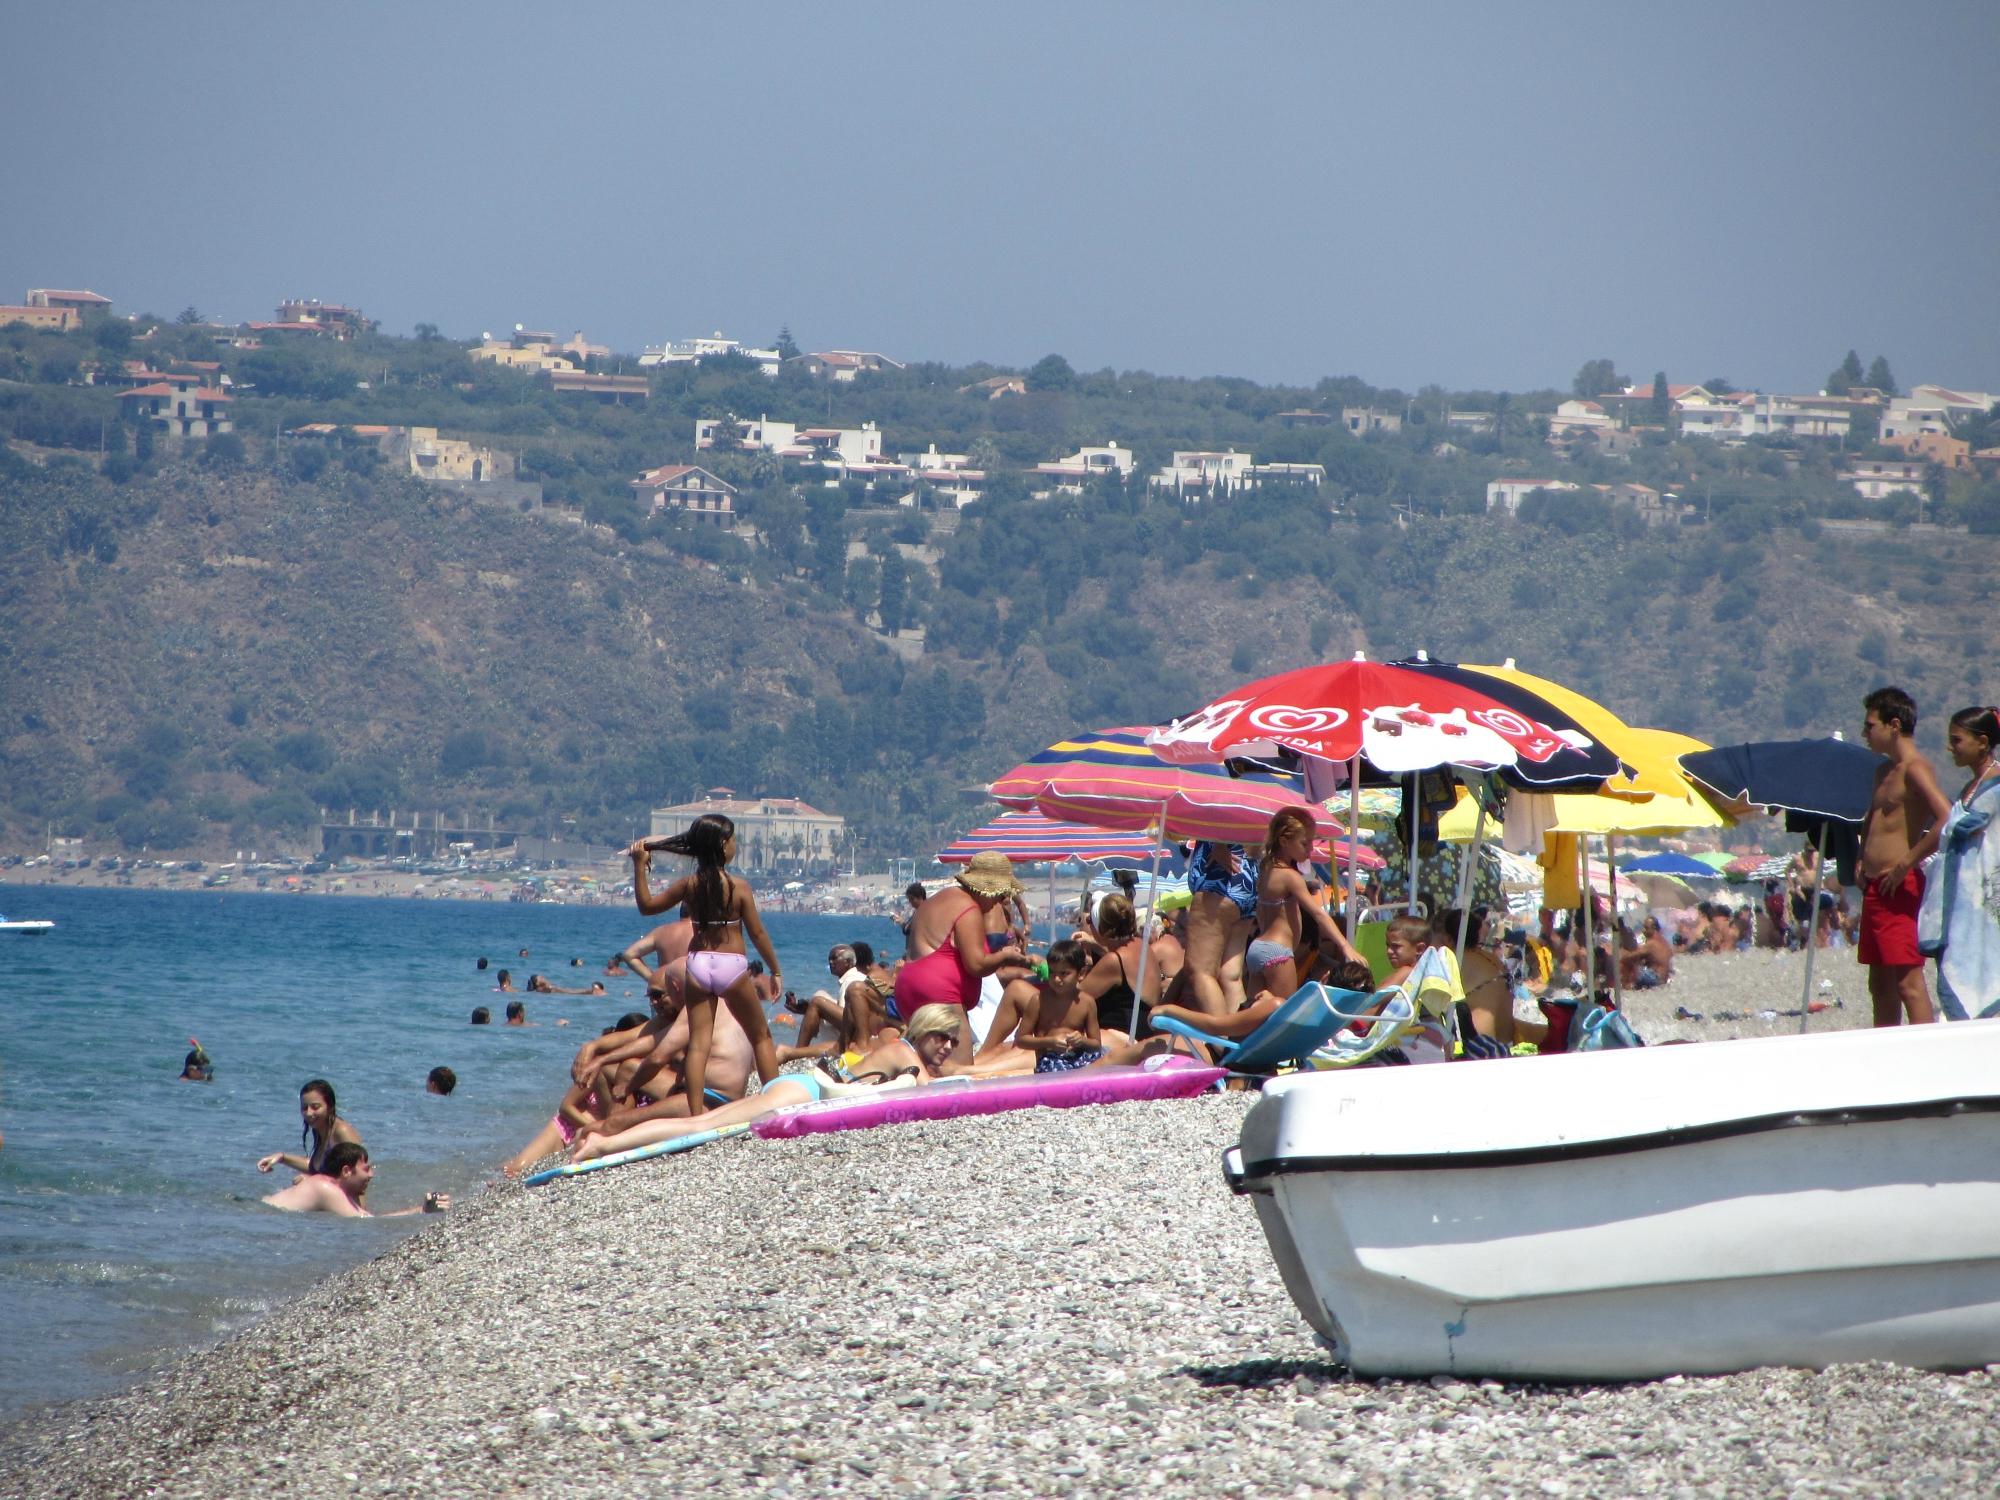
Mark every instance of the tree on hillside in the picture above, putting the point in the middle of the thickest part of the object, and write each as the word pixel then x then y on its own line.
pixel 1718 385
pixel 895 591
pixel 1596 377
pixel 189 316
pixel 1845 378
pixel 1661 407
pixel 1879 377
pixel 1051 373
pixel 427 333
pixel 784 345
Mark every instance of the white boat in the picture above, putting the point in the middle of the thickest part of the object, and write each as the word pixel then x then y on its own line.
pixel 33 927
pixel 1624 1215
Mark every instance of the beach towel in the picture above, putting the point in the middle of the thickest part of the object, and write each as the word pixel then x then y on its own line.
pixel 1959 922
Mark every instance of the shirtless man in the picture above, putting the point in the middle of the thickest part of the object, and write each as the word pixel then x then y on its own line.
pixel 1487 989
pixel 658 1047
pixel 341 1185
pixel 1905 817
pixel 1651 963
pixel 665 943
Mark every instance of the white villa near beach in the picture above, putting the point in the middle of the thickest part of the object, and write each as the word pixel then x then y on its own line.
pixel 771 832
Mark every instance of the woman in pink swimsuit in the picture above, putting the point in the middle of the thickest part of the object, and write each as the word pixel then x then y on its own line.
pixel 948 941
pixel 723 909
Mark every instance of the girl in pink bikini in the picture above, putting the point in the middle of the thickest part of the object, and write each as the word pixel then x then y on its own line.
pixel 723 909
pixel 948 942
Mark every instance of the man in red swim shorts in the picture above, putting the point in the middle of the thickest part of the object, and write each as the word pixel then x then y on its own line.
pixel 1904 819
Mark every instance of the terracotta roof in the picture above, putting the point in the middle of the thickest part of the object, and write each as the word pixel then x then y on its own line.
pixel 207 393
pixel 157 388
pixel 72 296
pixel 372 429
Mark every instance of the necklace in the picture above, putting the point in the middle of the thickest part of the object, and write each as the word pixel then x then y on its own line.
pixel 1986 771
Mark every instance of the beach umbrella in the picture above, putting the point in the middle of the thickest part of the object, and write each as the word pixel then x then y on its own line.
pixel 1715 859
pixel 1112 778
pixel 1816 782
pixel 1649 758
pixel 1400 717
pixel 1679 866
pixel 1659 889
pixel 1829 778
pixel 1028 838
pixel 1035 838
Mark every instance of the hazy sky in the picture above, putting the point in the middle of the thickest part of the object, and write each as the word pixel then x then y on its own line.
pixel 1481 196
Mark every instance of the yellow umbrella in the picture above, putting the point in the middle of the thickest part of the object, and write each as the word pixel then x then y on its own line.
pixel 1650 753
pixel 1596 815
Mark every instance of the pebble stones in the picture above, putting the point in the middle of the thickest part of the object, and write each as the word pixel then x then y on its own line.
pixel 1052 1302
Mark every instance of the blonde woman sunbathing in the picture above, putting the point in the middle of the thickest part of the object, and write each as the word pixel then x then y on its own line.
pixel 921 1053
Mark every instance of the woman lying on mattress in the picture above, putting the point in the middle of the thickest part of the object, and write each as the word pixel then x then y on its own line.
pixel 920 1054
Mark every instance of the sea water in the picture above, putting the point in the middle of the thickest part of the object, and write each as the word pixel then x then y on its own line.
pixel 130 1221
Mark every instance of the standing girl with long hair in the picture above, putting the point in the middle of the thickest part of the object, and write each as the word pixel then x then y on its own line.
pixel 1283 903
pixel 723 909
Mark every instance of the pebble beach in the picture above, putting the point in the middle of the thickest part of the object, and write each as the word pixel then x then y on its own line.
pixel 1049 1302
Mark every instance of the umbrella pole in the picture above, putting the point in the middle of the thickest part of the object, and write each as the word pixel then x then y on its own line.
pixel 1812 926
pixel 1617 932
pixel 1353 843
pixel 1052 903
pixel 1589 920
pixel 1410 812
pixel 1465 881
pixel 1145 927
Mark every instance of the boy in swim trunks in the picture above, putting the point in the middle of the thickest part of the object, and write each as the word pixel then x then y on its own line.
pixel 1904 818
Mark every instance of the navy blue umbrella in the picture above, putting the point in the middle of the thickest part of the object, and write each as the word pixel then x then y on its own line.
pixel 1820 779
pixel 1824 787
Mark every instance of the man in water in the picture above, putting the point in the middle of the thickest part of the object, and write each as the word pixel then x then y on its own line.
pixel 340 1186
pixel 517 1013
pixel 1905 817
pixel 196 1067
pixel 441 1081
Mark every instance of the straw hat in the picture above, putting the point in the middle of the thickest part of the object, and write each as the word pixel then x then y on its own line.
pixel 990 873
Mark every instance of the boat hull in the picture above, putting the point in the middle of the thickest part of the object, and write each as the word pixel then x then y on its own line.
pixel 1739 1238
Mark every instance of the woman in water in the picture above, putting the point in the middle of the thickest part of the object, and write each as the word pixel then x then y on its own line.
pixel 323 1129
pixel 723 910
pixel 948 937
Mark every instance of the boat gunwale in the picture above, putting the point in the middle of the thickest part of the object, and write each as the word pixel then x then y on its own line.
pixel 1246 1177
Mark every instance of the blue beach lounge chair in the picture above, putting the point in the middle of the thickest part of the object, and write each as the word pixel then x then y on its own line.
pixel 1308 1021
pixel 1417 1011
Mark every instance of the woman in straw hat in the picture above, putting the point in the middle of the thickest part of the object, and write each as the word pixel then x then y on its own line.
pixel 948 939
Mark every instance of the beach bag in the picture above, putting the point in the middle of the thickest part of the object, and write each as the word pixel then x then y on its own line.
pixel 1603 1029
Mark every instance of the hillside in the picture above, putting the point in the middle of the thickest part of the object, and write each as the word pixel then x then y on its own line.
pixel 203 655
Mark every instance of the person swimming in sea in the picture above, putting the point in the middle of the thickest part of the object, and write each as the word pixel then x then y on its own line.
pixel 196 1066
pixel 340 1186
pixel 323 1129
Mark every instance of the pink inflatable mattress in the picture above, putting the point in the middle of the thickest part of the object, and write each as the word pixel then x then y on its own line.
pixel 1169 1077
